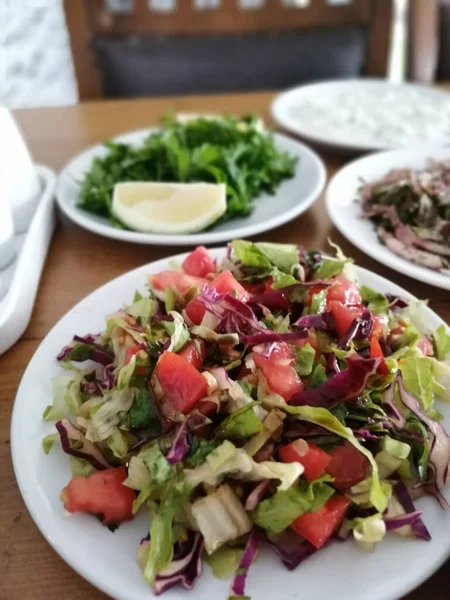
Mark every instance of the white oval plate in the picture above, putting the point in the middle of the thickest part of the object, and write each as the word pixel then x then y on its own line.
pixel 344 208
pixel 363 115
pixel 108 561
pixel 293 197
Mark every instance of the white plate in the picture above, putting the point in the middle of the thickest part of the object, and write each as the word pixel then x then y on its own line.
pixel 21 278
pixel 363 115
pixel 108 561
pixel 293 197
pixel 344 210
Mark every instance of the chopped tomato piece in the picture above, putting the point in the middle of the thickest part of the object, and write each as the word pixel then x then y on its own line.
pixel 254 289
pixel 198 263
pixel 425 346
pixel 344 291
pixel 377 352
pixel 194 352
pixel 177 281
pixel 207 407
pixel 278 370
pixel 313 458
pixel 344 315
pixel 348 466
pixel 379 324
pixel 268 284
pixel 317 527
pixel 131 351
pixel 182 384
pixel 195 310
pixel 225 283
pixel 102 493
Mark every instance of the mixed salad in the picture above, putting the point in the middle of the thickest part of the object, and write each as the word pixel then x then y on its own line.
pixel 411 209
pixel 264 398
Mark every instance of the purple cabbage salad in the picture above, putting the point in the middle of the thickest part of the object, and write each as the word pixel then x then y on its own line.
pixel 241 425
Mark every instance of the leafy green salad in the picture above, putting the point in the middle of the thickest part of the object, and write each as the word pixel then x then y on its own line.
pixel 233 151
pixel 266 398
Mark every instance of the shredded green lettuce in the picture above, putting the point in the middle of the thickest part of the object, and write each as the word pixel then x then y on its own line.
pixel 240 424
pixel 160 470
pixel 118 443
pixel 418 378
pixel 142 309
pixel 224 561
pixel 323 417
pixel 48 442
pixel 279 511
pixel 109 415
pixel 266 255
pixel 318 303
pixel 67 397
pixel 161 529
pixel 368 531
pixel 179 333
pixel 441 342
pixel 377 302
pixel 79 466
pixel 304 360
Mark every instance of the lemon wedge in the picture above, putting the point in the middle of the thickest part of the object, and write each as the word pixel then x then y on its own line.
pixel 168 207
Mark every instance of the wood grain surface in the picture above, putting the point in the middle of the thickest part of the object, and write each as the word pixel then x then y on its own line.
pixel 78 263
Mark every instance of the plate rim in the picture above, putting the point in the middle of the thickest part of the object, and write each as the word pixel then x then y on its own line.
pixel 365 244
pixel 208 237
pixel 72 559
pixel 277 109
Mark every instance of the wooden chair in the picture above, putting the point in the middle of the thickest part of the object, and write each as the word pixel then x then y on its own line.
pixel 429 41
pixel 267 47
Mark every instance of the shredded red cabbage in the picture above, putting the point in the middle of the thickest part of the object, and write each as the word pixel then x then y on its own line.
pixel 74 442
pixel 361 327
pixel 323 321
pixel 109 378
pixel 391 409
pixel 418 526
pixel 234 316
pixel 346 385
pixel 238 587
pixel 396 301
pixel 181 443
pixel 297 430
pixel 332 365
pixel 257 495
pixel 393 523
pixel 439 457
pixel 186 566
pixel 365 434
pixel 93 350
pixel 290 547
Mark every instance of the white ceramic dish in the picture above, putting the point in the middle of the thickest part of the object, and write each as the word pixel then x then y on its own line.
pixel 293 197
pixel 21 277
pixel 344 210
pixel 108 561
pixel 363 115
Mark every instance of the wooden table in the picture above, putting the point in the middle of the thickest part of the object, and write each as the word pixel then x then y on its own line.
pixel 78 263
